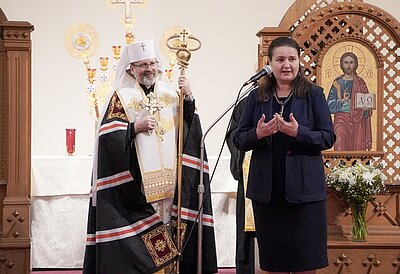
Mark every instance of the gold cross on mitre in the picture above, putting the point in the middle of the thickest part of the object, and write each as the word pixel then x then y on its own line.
pixel 127 4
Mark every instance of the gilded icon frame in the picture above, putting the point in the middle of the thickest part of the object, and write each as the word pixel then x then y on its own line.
pixel 369 70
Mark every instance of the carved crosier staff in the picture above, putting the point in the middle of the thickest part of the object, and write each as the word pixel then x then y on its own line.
pixel 183 55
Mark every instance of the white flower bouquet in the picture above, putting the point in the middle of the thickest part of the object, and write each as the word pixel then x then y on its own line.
pixel 357 183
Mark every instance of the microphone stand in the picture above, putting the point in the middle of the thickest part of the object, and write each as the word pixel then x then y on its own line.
pixel 200 188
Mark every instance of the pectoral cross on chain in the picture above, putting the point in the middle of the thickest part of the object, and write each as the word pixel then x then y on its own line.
pixel 127 4
pixel 153 105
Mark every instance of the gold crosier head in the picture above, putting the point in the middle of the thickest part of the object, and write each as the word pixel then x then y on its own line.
pixel 187 43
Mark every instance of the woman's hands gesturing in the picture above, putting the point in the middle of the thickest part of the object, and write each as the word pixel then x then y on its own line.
pixel 277 123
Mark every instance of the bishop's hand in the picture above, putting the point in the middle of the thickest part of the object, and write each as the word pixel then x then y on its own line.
pixel 144 124
pixel 184 86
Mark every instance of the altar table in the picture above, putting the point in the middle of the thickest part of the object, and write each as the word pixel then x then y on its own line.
pixel 59 205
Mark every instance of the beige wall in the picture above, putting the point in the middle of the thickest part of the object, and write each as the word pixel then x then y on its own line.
pixel 227 58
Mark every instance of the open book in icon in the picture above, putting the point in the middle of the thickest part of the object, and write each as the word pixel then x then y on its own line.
pixel 366 100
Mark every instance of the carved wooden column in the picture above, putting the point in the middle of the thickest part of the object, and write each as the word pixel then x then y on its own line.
pixel 15 238
pixel 267 35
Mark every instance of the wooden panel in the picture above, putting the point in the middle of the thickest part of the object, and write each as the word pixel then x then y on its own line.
pixel 14 258
pixel 15 145
pixel 381 252
pixel 3 119
pixel 361 259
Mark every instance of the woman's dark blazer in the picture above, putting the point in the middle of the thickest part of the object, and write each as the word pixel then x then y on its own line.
pixel 305 176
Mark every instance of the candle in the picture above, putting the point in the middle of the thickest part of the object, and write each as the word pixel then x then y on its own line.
pixel 70 140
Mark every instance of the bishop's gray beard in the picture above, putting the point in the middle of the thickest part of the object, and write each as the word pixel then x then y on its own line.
pixel 148 81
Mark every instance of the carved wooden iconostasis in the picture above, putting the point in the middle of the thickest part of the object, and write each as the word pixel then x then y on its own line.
pixel 15 145
pixel 325 31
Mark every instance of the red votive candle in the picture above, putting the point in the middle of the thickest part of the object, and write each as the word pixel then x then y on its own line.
pixel 70 140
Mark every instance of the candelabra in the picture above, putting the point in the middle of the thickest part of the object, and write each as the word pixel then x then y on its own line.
pixel 81 41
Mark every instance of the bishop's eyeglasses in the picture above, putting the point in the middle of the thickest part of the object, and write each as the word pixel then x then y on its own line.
pixel 146 65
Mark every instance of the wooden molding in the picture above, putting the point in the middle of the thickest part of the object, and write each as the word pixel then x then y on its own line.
pixel 15 145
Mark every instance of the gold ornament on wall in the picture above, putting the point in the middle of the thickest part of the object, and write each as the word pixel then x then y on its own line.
pixel 129 37
pixel 127 4
pixel 81 41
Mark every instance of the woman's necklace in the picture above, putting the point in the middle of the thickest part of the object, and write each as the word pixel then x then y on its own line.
pixel 282 102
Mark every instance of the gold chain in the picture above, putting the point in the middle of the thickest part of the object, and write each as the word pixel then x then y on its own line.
pixel 282 103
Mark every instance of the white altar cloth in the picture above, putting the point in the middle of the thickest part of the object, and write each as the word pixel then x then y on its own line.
pixel 60 175
pixel 59 205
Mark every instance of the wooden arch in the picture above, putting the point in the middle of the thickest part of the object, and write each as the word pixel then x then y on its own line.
pixel 15 145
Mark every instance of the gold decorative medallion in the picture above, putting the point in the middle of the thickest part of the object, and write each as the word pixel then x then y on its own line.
pixel 160 245
pixel 81 41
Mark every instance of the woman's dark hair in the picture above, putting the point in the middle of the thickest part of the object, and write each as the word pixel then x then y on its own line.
pixel 267 85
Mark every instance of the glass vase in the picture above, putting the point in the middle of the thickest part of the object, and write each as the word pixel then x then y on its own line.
pixel 359 230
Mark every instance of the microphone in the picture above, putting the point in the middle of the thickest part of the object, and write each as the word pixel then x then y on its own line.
pixel 266 70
